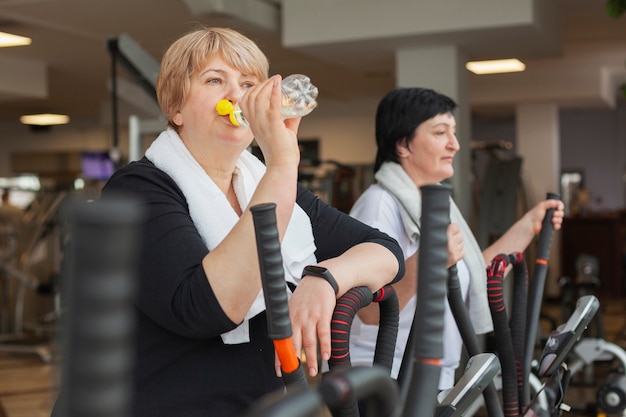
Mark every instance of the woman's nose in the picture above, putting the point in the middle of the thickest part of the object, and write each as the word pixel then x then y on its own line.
pixel 235 94
pixel 454 142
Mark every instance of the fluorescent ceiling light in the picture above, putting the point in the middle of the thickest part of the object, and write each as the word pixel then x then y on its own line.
pixel 495 66
pixel 7 39
pixel 45 119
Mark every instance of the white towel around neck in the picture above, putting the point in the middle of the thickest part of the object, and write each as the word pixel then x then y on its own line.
pixel 392 177
pixel 214 217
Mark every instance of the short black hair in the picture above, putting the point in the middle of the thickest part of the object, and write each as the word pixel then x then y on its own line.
pixel 399 114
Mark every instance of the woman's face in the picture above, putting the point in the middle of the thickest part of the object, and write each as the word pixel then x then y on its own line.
pixel 200 124
pixel 427 158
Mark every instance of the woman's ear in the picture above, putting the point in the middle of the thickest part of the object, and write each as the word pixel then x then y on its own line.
pixel 177 118
pixel 402 148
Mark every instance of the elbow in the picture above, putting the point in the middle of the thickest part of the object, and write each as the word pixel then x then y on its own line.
pixel 396 262
pixel 401 270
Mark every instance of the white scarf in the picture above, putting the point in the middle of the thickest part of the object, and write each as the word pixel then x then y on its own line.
pixel 392 177
pixel 214 217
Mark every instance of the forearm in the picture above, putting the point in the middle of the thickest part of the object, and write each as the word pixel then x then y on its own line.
pixel 235 281
pixel 515 239
pixel 366 264
pixel 519 236
pixel 405 289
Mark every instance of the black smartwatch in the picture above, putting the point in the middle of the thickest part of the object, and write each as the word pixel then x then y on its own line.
pixel 321 272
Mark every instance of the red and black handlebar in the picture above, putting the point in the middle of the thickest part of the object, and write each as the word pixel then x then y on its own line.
pixel 518 317
pixel 387 300
pixel 348 305
pixel 346 309
pixel 502 332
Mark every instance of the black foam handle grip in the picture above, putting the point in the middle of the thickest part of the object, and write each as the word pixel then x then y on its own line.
pixel 429 313
pixel 432 271
pixel 272 271
pixel 545 235
pixel 99 282
pixel 535 295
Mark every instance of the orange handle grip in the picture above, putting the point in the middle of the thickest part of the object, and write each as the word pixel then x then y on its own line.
pixel 289 361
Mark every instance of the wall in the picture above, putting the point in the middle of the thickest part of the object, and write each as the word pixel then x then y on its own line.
pixel 595 141
pixel 347 139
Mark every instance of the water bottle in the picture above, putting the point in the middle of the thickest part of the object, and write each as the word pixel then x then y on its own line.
pixel 299 99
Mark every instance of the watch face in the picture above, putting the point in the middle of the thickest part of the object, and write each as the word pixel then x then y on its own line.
pixel 316 269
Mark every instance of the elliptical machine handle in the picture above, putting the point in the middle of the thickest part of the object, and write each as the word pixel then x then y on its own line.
pixel 275 293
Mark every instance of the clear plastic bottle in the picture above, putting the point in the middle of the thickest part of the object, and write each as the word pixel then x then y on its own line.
pixel 299 99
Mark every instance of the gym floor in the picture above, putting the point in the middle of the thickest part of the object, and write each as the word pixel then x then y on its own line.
pixel 28 386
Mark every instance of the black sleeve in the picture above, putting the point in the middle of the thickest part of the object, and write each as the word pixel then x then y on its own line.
pixel 173 289
pixel 335 232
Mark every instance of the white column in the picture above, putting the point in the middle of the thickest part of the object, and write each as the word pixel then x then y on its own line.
pixel 442 68
pixel 537 141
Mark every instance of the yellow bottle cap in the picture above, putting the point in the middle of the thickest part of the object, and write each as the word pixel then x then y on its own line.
pixel 225 107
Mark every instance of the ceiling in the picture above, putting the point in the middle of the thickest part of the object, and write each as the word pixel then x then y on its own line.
pixel 70 38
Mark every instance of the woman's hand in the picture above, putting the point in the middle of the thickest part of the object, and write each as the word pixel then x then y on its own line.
pixel 536 215
pixel 519 236
pixel 455 244
pixel 277 138
pixel 311 309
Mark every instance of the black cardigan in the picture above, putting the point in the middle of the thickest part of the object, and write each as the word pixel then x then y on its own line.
pixel 183 368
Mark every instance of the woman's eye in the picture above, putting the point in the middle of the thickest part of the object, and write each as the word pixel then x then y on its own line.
pixel 247 85
pixel 213 81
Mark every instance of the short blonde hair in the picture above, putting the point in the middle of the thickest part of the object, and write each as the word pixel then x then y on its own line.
pixel 190 53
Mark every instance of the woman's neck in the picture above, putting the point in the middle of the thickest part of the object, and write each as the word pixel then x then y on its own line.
pixel 220 167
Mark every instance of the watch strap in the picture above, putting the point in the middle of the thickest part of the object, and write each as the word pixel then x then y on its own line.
pixel 321 272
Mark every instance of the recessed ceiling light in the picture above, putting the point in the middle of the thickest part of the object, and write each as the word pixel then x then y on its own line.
pixel 8 39
pixel 495 66
pixel 45 119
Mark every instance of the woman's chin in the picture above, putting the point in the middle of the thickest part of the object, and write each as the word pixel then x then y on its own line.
pixel 449 173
